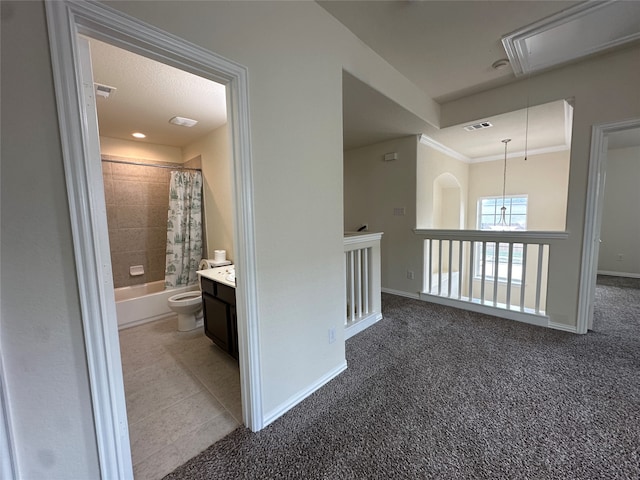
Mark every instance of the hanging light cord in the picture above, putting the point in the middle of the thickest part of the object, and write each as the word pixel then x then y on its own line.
pixel 526 133
pixel 504 176
pixel 526 128
pixel 503 210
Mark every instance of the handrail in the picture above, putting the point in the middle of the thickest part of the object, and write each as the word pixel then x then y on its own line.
pixel 522 236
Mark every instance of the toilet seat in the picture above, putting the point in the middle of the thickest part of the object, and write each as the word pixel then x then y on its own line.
pixel 186 297
pixel 188 306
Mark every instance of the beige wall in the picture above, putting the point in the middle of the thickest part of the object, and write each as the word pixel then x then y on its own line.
pixel 140 150
pixel 620 231
pixel 373 188
pixel 543 178
pixel 434 172
pixel 213 150
pixel 46 374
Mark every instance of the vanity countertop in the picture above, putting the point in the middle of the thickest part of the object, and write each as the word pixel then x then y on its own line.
pixel 225 275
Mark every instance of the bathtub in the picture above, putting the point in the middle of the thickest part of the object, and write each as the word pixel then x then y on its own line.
pixel 144 303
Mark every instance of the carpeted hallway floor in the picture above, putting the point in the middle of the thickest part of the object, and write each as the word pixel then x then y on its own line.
pixel 435 392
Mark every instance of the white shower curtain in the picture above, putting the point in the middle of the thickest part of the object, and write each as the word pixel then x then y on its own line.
pixel 184 228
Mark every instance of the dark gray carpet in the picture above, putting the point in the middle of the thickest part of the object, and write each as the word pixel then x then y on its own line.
pixel 434 392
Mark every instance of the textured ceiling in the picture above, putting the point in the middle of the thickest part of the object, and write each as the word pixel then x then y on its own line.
pixel 148 94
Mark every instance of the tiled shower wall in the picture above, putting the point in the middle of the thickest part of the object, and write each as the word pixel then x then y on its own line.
pixel 137 199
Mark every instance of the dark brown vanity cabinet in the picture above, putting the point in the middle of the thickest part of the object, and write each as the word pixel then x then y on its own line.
pixel 220 319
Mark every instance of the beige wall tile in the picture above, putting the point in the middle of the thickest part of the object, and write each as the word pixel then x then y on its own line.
pixel 138 200
pixel 129 193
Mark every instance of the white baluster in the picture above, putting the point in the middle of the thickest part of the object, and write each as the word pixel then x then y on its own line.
pixel 471 267
pixel 539 279
pixel 352 299
pixel 484 271
pixel 460 245
pixel 509 273
pixel 430 263
pixel 496 267
pixel 523 279
pixel 439 267
pixel 450 268
pixel 365 280
pixel 359 282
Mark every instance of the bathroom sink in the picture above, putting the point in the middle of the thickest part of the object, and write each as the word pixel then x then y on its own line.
pixel 231 277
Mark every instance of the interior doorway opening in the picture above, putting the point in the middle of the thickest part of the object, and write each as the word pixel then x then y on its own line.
pixel 600 137
pixel 140 173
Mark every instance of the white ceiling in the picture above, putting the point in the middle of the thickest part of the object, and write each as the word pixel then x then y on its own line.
pixel 148 94
pixel 446 48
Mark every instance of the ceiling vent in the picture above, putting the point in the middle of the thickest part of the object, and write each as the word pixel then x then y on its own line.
pixel 478 126
pixel 104 91
pixel 183 122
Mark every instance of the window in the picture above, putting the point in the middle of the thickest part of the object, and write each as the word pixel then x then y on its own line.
pixel 489 212
pixel 488 219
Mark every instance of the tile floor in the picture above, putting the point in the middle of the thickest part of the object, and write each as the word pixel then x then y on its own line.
pixel 182 394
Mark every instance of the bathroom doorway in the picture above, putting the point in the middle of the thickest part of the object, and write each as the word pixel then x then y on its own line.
pixel 81 155
pixel 157 124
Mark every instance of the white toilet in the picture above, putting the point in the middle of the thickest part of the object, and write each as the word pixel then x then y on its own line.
pixel 188 306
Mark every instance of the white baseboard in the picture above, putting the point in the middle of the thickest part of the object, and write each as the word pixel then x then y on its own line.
pixel 563 327
pixel 619 274
pixel 400 293
pixel 360 325
pixel 539 320
pixel 298 397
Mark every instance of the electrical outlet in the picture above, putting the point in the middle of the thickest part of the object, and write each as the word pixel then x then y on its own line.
pixel 332 335
pixel 410 275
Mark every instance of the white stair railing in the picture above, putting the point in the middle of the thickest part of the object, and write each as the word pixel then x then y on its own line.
pixel 362 269
pixel 503 273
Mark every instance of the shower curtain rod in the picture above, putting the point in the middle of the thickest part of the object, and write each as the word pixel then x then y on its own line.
pixel 174 167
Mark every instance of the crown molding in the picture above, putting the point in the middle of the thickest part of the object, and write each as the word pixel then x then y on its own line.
pixel 430 142
pixel 521 153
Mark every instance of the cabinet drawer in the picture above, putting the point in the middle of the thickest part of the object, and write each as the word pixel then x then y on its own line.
pixel 208 286
pixel 226 294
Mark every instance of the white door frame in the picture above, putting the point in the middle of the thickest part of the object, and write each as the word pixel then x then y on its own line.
pixel 66 19
pixel 593 217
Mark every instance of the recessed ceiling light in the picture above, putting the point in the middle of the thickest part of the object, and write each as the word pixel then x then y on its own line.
pixel 183 122
pixel 138 135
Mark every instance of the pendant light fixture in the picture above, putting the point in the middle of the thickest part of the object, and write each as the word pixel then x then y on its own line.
pixel 502 224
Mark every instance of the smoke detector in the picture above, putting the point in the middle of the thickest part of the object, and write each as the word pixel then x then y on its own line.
pixel 104 91
pixel 478 126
